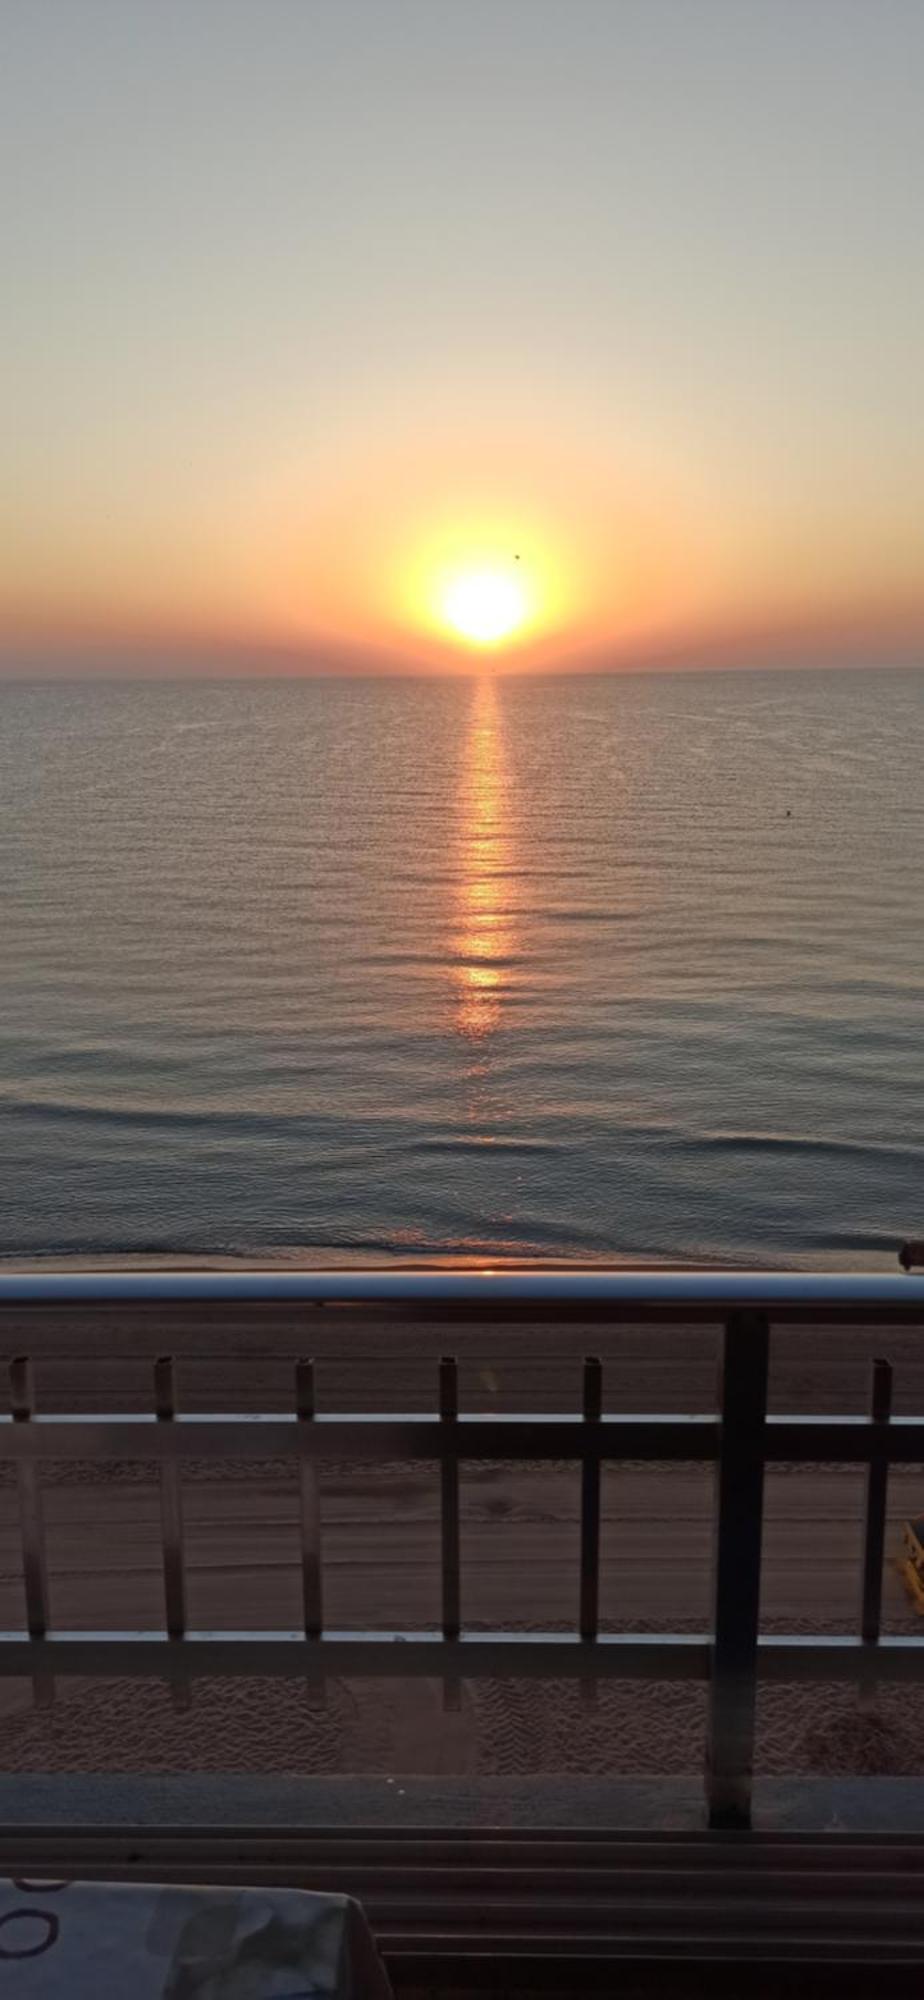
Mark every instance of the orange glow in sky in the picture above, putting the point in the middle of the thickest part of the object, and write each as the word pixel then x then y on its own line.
pixel 495 334
pixel 524 548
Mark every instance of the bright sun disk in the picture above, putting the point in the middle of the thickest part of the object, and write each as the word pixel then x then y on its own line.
pixel 484 606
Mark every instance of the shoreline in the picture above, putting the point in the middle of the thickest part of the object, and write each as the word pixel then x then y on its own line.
pixel 336 1259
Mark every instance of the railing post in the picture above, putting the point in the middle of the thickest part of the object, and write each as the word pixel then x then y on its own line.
pixel 312 1586
pixel 449 1495
pixel 874 1527
pixel 739 1523
pixel 590 1501
pixel 31 1525
pixel 589 1604
pixel 309 1483
pixel 450 1583
pixel 171 1503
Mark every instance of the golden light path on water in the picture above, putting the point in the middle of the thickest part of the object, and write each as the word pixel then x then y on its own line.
pixel 484 943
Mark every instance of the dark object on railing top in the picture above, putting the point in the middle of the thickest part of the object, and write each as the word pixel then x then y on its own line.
pixel 911 1253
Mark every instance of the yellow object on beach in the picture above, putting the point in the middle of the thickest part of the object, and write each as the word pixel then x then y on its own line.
pixel 912 1568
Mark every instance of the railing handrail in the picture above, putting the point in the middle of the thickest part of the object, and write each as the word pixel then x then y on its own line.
pixel 784 1294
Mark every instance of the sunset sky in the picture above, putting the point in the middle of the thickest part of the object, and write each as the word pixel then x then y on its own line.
pixel 359 334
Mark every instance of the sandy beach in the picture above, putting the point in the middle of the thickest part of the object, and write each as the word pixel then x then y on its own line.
pixel 381 1548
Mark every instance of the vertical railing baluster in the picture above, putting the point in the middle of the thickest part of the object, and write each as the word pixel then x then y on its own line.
pixel 309 1486
pixel 738 1532
pixel 590 1502
pixel 449 1493
pixel 31 1525
pixel 310 1492
pixel 589 1604
pixel 449 1518
pixel 171 1500
pixel 874 1526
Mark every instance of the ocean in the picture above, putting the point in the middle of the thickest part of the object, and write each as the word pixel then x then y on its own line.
pixel 552 966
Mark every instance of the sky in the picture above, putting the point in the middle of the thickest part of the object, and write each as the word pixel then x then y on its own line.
pixel 372 334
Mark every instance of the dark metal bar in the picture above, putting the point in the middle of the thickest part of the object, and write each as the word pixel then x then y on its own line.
pixel 874 1525
pixel 841 1441
pixel 589 1614
pixel 788 1440
pixel 877 1481
pixel 739 1520
pixel 171 1501
pixel 31 1525
pixel 31 1516
pixel 364 1437
pixel 449 1500
pixel 309 1486
pixel 401 1654
pixel 684 1656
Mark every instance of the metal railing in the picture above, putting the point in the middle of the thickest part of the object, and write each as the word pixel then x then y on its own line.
pixel 739 1437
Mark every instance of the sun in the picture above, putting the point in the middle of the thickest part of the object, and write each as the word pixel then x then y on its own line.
pixel 485 606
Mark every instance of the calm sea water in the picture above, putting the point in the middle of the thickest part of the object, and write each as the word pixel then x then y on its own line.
pixel 555 966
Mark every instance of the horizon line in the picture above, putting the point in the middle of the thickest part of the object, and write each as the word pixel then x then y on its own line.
pixel 83 675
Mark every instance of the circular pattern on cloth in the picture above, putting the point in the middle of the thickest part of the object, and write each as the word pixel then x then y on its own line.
pixel 28 1917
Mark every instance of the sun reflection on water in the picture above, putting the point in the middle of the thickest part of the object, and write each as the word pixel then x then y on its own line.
pixel 484 942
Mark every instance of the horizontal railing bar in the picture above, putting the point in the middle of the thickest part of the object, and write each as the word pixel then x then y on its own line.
pixel 380 1654
pixel 807 1657
pixel 692 1849
pixel 788 1440
pixel 614 1655
pixel 370 1437
pixel 842 1440
pixel 846 1294
pixel 380 1880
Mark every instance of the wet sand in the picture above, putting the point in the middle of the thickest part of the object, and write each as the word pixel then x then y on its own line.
pixel 381 1548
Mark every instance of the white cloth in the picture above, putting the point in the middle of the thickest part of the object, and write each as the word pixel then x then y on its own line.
pixel 105 1941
